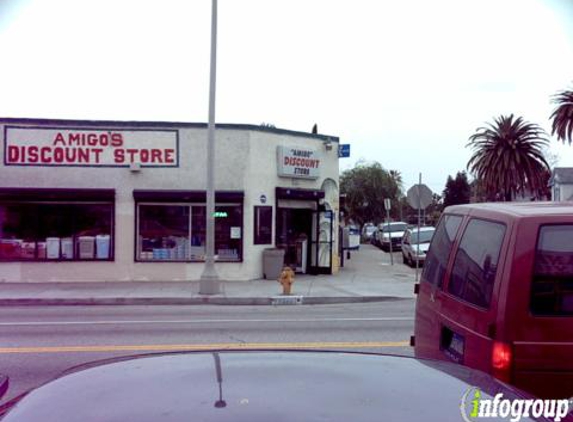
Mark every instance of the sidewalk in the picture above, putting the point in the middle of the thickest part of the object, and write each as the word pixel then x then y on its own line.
pixel 366 277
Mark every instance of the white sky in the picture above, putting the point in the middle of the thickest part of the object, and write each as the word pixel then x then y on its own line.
pixel 404 82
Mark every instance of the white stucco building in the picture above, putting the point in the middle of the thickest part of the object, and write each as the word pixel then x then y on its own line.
pixel 107 200
pixel 562 184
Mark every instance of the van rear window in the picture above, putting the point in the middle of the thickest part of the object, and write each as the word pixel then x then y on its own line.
pixel 552 286
pixel 439 253
pixel 476 262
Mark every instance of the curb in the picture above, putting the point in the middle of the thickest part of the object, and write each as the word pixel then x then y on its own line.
pixel 200 300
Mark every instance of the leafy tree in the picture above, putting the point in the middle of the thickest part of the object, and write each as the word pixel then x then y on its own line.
pixel 457 190
pixel 366 186
pixel 507 157
pixel 405 210
pixel 430 215
pixel 478 192
pixel 435 209
pixel 551 157
pixel 563 116
pixel 545 193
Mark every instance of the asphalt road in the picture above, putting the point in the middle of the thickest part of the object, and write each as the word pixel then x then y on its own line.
pixel 37 344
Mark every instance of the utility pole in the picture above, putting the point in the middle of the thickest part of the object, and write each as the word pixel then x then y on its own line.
pixel 387 205
pixel 419 218
pixel 209 283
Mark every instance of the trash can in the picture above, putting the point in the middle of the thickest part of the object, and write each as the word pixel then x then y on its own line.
pixel 351 238
pixel 273 261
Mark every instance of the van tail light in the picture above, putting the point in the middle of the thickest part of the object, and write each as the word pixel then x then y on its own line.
pixel 501 361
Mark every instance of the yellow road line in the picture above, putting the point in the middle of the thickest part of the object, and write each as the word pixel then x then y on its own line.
pixel 198 347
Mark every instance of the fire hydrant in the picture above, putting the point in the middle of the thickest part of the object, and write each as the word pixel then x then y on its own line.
pixel 286 279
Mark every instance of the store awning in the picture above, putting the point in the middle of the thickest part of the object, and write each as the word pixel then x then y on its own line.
pixel 186 196
pixel 301 194
pixel 56 194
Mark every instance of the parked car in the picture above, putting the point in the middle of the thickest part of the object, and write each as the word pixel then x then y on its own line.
pixel 367 230
pixel 496 294
pixel 374 237
pixel 391 232
pixel 415 244
pixel 261 386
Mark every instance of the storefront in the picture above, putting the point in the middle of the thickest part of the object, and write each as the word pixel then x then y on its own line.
pixel 103 201
pixel 305 230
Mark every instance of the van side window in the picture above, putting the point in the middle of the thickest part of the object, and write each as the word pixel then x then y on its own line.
pixel 476 262
pixel 439 253
pixel 552 286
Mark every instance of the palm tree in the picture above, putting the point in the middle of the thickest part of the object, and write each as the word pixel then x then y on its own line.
pixel 396 176
pixel 563 116
pixel 508 157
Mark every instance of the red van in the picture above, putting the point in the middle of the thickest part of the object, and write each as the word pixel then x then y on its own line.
pixel 496 294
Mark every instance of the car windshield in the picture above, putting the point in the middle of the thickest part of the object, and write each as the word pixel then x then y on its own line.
pixel 394 227
pixel 425 236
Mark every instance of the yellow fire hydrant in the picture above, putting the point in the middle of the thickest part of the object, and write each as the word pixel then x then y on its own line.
pixel 286 279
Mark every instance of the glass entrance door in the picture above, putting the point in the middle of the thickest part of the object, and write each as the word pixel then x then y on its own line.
pixel 321 243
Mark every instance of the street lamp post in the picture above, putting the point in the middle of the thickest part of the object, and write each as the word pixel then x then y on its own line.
pixel 209 283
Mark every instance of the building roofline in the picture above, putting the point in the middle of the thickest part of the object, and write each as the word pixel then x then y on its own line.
pixel 157 124
pixel 562 175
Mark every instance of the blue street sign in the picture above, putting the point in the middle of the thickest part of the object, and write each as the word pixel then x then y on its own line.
pixel 343 150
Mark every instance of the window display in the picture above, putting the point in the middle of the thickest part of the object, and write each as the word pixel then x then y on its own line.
pixel 176 232
pixel 163 232
pixel 55 230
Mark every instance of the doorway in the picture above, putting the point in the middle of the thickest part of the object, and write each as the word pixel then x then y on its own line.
pixel 306 237
pixel 294 232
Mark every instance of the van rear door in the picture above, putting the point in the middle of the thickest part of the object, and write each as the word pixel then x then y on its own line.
pixel 427 328
pixel 542 314
pixel 469 306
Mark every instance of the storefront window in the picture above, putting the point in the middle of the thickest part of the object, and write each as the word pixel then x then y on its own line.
pixel 198 231
pixel 163 232
pixel 56 231
pixel 176 232
pixel 228 232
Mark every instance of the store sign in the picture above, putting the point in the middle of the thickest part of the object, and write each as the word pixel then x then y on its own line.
pixel 298 162
pixel 35 146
